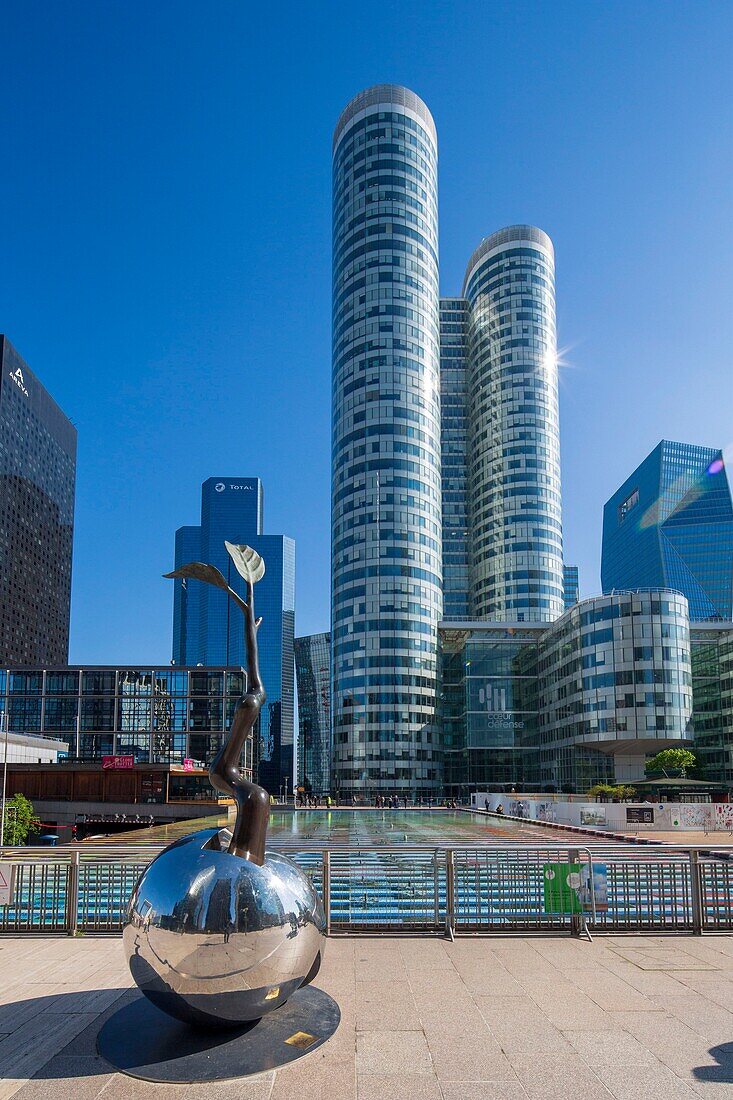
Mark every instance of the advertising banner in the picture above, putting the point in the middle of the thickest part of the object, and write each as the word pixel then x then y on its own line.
pixel 639 815
pixel 600 887
pixel 593 815
pixel 562 883
pixel 567 887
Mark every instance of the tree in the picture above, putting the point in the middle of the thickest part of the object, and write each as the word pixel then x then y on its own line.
pixel 20 819
pixel 608 792
pixel 675 760
pixel 604 791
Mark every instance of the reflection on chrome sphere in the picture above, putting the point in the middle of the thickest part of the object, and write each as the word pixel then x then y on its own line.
pixel 215 940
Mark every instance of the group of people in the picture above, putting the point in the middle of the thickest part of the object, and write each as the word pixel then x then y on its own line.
pixel 516 809
pixel 392 802
pixel 304 800
pixel 308 800
pixel 389 801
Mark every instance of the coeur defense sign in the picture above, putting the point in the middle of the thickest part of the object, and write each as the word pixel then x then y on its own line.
pixel 118 762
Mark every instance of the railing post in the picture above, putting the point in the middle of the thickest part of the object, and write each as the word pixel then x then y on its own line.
pixel 450 893
pixel 72 896
pixel 576 924
pixel 327 889
pixel 696 893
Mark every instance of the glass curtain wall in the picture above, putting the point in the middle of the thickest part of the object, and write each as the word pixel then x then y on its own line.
pixel 515 516
pixel 386 477
pixel 453 426
pixel 156 715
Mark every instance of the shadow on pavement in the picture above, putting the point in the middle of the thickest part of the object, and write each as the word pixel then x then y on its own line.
pixel 722 1073
pixel 78 1058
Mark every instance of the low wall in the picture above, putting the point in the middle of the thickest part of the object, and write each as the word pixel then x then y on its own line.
pixel 65 814
pixel 615 816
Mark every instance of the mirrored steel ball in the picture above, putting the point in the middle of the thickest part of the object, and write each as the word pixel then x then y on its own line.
pixel 214 939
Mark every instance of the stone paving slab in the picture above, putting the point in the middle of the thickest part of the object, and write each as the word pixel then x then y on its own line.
pixel 494 1018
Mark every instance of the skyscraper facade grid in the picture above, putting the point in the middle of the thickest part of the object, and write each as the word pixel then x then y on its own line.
pixel 313 676
pixel 386 473
pixel 559 706
pixel 515 515
pixel 712 693
pixel 37 487
pixel 162 715
pixel 453 425
pixel 671 525
pixel 571 585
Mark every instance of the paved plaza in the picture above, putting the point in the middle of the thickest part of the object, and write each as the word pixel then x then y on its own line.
pixel 422 1019
pixel 717 838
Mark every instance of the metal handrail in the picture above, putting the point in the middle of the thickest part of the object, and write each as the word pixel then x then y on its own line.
pixel 373 888
pixel 617 847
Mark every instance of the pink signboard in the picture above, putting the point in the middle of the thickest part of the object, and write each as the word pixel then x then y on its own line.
pixel 118 762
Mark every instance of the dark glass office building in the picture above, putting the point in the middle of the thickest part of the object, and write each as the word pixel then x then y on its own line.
pixel 670 525
pixel 313 674
pixel 712 697
pixel 37 482
pixel 208 627
pixel 161 715
pixel 488 705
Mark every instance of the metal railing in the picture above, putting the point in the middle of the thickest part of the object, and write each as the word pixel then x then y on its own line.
pixel 450 890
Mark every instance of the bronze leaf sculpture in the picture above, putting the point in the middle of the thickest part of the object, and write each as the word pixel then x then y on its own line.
pixel 252 802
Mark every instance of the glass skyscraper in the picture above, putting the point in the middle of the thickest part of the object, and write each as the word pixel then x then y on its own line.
pixel 386 472
pixel 513 444
pixel 671 525
pixel 208 629
pixel 313 676
pixel 712 695
pixel 37 483
pixel 453 425
pixel 571 585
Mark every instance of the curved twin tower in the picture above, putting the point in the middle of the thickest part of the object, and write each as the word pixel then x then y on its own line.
pixel 446 452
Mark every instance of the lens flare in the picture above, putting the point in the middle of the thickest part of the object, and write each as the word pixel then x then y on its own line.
pixel 715 466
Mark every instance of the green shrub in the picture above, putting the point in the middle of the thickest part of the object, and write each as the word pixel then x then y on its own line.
pixel 20 819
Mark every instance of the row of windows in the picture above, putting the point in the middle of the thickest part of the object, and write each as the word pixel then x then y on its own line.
pixel 124 683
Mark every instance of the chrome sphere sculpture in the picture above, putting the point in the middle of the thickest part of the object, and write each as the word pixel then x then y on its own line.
pixel 220 931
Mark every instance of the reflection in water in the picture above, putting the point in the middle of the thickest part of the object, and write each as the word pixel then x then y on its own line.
pixel 367 828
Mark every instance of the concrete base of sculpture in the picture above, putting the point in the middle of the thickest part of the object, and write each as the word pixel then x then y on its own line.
pixel 143 1041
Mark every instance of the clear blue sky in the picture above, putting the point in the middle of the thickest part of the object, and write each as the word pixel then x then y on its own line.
pixel 165 215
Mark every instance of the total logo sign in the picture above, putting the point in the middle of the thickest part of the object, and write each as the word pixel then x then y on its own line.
pixel 220 487
pixel 17 377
